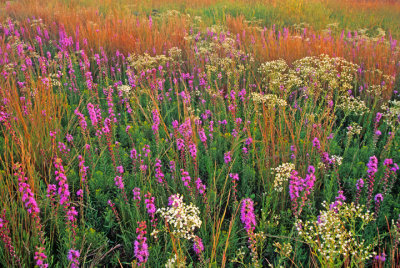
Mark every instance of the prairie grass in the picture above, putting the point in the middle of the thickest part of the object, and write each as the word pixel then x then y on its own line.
pixel 252 123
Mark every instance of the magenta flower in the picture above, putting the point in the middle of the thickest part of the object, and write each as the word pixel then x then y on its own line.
pixel 72 214
pixel 185 178
pixel 140 246
pixel 198 246
pixel 156 122
pixel 73 257
pixel 136 194
pixel 92 114
pixel 227 157
pixel 118 182
pixel 381 257
pixel 159 175
pixel 372 169
pixel 40 258
pixel 200 186
pixel 193 150
pixel 63 191
pixel 82 120
pixel 247 215
pixel 316 143
pixel 79 193
pixel 120 169
pixel 175 200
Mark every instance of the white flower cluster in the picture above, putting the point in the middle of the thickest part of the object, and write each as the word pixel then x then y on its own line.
pixel 392 113
pixel 350 104
pixel 354 129
pixel 333 236
pixel 145 61
pixel 125 89
pixel 172 263
pixel 335 73
pixel 175 53
pixel 183 219
pixel 282 175
pixel 268 99
pixel 283 250
pixel 337 160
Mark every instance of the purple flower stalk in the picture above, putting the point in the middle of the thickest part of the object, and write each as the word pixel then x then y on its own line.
pixel 92 114
pixel 151 208
pixel 372 169
pixel 73 257
pixel 140 246
pixel 40 258
pixel 198 246
pixel 247 215
pixel 316 143
pixel 378 201
pixel 359 186
pixel 300 188
pixel 228 157
pixel 156 122
pixel 185 178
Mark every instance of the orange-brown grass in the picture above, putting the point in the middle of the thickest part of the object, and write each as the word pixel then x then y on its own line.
pixel 119 30
pixel 127 33
pixel 266 45
pixel 29 143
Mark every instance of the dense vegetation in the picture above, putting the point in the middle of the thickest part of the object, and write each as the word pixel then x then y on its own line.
pixel 199 133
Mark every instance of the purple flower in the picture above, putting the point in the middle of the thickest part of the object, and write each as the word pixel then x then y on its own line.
pixel 71 214
pixel 372 165
pixel 40 258
pixel 159 175
pixel 175 200
pixel 156 121
pixel 69 138
pixel 193 150
pixel 227 157
pixel 92 114
pixel 140 246
pixel 185 178
pixel 378 117
pixel 378 198
pixel 120 169
pixel 118 182
pixel 316 143
pixel 79 193
pixel 73 257
pixel 360 184
pixel 372 169
pixel 200 186
pixel 247 215
pixel 198 246
pixel 136 194
pixel 381 257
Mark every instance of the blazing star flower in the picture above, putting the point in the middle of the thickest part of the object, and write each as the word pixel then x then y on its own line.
pixel 140 246
pixel 227 157
pixel 73 257
pixel 198 246
pixel 247 215
pixel 120 169
pixel 378 198
pixel 118 182
pixel 316 143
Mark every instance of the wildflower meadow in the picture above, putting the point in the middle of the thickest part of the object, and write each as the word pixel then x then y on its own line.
pixel 203 133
